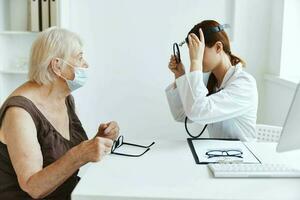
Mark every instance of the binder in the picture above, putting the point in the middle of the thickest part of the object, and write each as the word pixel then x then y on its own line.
pixel 45 14
pixel 54 13
pixel 33 15
pixel 249 156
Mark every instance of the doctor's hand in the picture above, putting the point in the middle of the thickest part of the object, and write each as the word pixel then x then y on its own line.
pixel 176 68
pixel 109 130
pixel 196 50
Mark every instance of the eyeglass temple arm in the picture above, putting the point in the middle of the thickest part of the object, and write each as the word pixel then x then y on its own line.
pixel 131 155
pixel 137 145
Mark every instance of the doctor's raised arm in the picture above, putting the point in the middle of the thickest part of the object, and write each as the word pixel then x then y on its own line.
pixel 228 103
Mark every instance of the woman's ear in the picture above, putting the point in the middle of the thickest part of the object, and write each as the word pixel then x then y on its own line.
pixel 219 47
pixel 55 66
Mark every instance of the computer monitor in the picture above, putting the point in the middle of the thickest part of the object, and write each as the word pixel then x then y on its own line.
pixel 290 136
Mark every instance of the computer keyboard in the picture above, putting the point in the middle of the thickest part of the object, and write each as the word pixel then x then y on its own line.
pixel 253 170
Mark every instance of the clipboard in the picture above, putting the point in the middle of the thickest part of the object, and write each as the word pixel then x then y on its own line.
pixel 252 158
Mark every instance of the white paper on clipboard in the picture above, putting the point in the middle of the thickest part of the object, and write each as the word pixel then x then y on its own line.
pixel 202 146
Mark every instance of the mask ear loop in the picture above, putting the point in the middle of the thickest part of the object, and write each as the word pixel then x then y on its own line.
pixel 52 68
pixel 68 64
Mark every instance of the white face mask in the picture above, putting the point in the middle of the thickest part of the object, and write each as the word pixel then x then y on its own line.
pixel 80 77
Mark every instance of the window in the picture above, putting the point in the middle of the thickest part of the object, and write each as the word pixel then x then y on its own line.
pixel 290 51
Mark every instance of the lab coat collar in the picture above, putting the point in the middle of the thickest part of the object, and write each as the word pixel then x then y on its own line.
pixel 230 75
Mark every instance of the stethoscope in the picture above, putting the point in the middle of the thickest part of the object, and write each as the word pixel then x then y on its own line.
pixel 204 128
pixel 176 53
pixel 186 118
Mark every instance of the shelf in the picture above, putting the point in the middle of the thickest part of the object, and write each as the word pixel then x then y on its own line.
pixel 12 72
pixel 18 33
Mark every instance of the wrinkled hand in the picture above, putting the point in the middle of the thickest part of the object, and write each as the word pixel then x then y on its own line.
pixel 109 130
pixel 176 68
pixel 196 50
pixel 93 150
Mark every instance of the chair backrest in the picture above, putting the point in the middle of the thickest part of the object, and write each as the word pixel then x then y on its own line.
pixel 266 133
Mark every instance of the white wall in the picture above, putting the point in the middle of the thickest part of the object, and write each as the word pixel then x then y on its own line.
pixel 282 73
pixel 291 31
pixel 278 98
pixel 128 44
pixel 252 41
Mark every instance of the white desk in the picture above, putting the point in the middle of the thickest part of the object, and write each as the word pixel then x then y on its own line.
pixel 168 171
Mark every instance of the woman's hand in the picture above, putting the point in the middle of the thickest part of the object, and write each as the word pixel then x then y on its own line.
pixel 196 50
pixel 92 150
pixel 176 68
pixel 35 179
pixel 109 130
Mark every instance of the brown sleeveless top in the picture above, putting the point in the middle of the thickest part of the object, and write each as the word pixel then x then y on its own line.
pixel 53 146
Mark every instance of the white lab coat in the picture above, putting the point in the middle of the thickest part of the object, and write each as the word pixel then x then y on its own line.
pixel 229 113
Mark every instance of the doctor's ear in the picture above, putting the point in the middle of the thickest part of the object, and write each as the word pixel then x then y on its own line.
pixel 218 46
pixel 55 66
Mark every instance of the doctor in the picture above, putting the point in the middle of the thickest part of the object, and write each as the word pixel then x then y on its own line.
pixel 228 104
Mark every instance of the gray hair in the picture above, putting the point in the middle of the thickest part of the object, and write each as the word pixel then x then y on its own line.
pixel 51 43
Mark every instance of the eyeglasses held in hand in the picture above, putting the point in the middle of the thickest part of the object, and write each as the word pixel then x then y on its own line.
pixel 224 153
pixel 120 142
pixel 176 53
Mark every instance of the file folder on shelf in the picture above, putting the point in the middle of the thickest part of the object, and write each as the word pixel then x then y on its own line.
pixel 33 15
pixel 54 13
pixel 45 14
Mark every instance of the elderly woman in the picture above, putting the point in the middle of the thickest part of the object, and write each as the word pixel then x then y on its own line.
pixel 42 141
